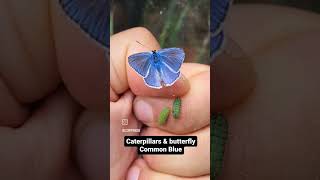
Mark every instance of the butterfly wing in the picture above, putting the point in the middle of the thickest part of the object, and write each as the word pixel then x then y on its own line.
pixel 216 44
pixel 141 63
pixel 153 78
pixel 219 9
pixel 168 77
pixel 172 58
pixel 92 16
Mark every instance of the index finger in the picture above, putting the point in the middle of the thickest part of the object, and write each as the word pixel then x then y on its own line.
pixel 122 77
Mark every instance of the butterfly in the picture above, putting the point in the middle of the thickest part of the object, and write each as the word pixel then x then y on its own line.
pixel 219 9
pixel 159 68
pixel 92 16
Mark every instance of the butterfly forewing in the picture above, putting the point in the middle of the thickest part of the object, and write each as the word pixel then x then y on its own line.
pixel 141 63
pixel 172 57
pixel 216 43
pixel 92 16
pixel 219 9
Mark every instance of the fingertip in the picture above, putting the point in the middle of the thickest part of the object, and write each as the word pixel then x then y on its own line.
pixel 122 45
pixel 133 173
pixel 123 106
pixel 143 111
pixel 234 79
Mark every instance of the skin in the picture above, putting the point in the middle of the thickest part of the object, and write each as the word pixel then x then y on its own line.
pixel 124 78
pixel 72 117
pixel 274 133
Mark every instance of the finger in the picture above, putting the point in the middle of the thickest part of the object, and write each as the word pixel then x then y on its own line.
pixel 282 114
pixel 81 61
pixel 193 163
pixel 141 171
pixel 27 62
pixel 120 156
pixel 90 144
pixel 122 76
pixel 195 106
pixel 51 122
pixel 44 138
pixel 233 78
pixel 12 113
pixel 55 115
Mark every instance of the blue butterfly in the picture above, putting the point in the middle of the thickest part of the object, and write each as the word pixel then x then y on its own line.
pixel 92 16
pixel 219 9
pixel 158 68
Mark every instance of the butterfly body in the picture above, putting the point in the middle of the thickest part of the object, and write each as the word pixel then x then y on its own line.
pixel 155 58
pixel 158 68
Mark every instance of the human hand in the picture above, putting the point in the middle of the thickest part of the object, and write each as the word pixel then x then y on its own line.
pixel 124 84
pixel 274 134
pixel 195 93
pixel 53 136
pixel 126 42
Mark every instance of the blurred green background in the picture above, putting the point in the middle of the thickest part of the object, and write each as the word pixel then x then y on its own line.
pixel 175 23
pixel 180 23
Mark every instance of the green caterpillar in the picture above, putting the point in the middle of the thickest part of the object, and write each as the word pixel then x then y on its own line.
pixel 176 108
pixel 164 114
pixel 219 136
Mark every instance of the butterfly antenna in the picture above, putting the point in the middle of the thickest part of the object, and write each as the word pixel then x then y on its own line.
pixel 142 45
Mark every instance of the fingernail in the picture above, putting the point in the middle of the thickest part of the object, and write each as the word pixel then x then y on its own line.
pixel 143 111
pixel 133 173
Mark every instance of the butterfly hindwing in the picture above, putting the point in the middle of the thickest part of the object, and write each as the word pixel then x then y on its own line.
pixel 141 63
pixel 167 76
pixel 153 79
pixel 172 57
pixel 92 16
